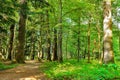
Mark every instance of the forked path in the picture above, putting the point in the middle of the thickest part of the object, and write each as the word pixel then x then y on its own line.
pixel 28 71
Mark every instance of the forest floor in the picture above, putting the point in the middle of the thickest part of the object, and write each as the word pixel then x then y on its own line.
pixel 28 71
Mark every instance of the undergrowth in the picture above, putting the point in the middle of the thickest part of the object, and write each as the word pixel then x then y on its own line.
pixel 73 70
pixel 4 67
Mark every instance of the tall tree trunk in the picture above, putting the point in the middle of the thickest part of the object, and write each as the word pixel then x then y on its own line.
pixel 99 45
pixel 66 48
pixel 1 35
pixel 89 42
pixel 42 36
pixel 40 46
pixel 21 33
pixel 119 40
pixel 48 37
pixel 78 48
pixel 32 46
pixel 118 33
pixel 10 49
pixel 55 56
pixel 107 26
pixel 79 41
pixel 60 59
pixel 39 50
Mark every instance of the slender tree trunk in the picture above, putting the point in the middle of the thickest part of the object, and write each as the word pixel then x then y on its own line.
pixel 118 35
pixel 79 41
pixel 33 46
pixel 1 42
pixel 89 42
pixel 99 45
pixel 33 56
pixel 39 50
pixel 78 48
pixel 42 36
pixel 55 56
pixel 84 55
pixel 107 26
pixel 119 40
pixel 21 33
pixel 67 48
pixel 48 37
pixel 43 51
pixel 85 50
pixel 40 47
pixel 10 49
pixel 60 59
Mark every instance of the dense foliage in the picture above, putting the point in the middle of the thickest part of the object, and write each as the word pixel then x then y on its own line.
pixel 86 31
pixel 71 69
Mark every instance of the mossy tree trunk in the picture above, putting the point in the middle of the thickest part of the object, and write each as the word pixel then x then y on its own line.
pixel 55 56
pixel 78 41
pixel 48 37
pixel 60 58
pixel 21 33
pixel 89 41
pixel 108 56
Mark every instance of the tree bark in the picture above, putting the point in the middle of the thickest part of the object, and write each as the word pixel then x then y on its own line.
pixel 48 37
pixel 89 42
pixel 66 48
pixel 21 33
pixel 10 49
pixel 55 48
pixel 119 40
pixel 40 39
pixel 55 56
pixel 107 40
pixel 33 46
pixel 42 20
pixel 78 41
pixel 60 59
pixel 78 48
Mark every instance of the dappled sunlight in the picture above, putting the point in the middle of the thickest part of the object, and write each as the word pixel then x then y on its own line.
pixel 59 39
pixel 28 71
pixel 28 79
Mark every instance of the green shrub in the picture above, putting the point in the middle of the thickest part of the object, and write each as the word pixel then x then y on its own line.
pixel 3 66
pixel 82 70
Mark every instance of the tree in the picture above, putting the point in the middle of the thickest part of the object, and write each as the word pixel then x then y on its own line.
pixel 21 33
pixel 60 33
pixel 78 40
pixel 55 55
pixel 108 55
pixel 48 37
pixel 33 45
pixel 89 41
pixel 10 50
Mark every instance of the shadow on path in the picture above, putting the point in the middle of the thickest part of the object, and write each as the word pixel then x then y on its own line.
pixel 28 71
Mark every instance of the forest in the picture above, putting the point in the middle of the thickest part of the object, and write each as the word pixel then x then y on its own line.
pixel 59 39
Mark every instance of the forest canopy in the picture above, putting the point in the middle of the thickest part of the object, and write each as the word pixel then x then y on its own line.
pixel 60 30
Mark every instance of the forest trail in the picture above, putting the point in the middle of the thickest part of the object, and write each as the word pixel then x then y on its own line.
pixel 28 71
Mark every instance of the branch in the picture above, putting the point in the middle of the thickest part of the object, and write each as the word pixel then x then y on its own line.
pixel 79 8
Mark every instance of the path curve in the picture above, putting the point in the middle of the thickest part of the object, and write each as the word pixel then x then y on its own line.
pixel 28 71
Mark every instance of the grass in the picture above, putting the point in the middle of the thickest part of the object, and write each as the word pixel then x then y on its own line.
pixel 73 70
pixel 4 67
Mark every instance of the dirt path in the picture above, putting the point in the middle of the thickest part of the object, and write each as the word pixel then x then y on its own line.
pixel 28 71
